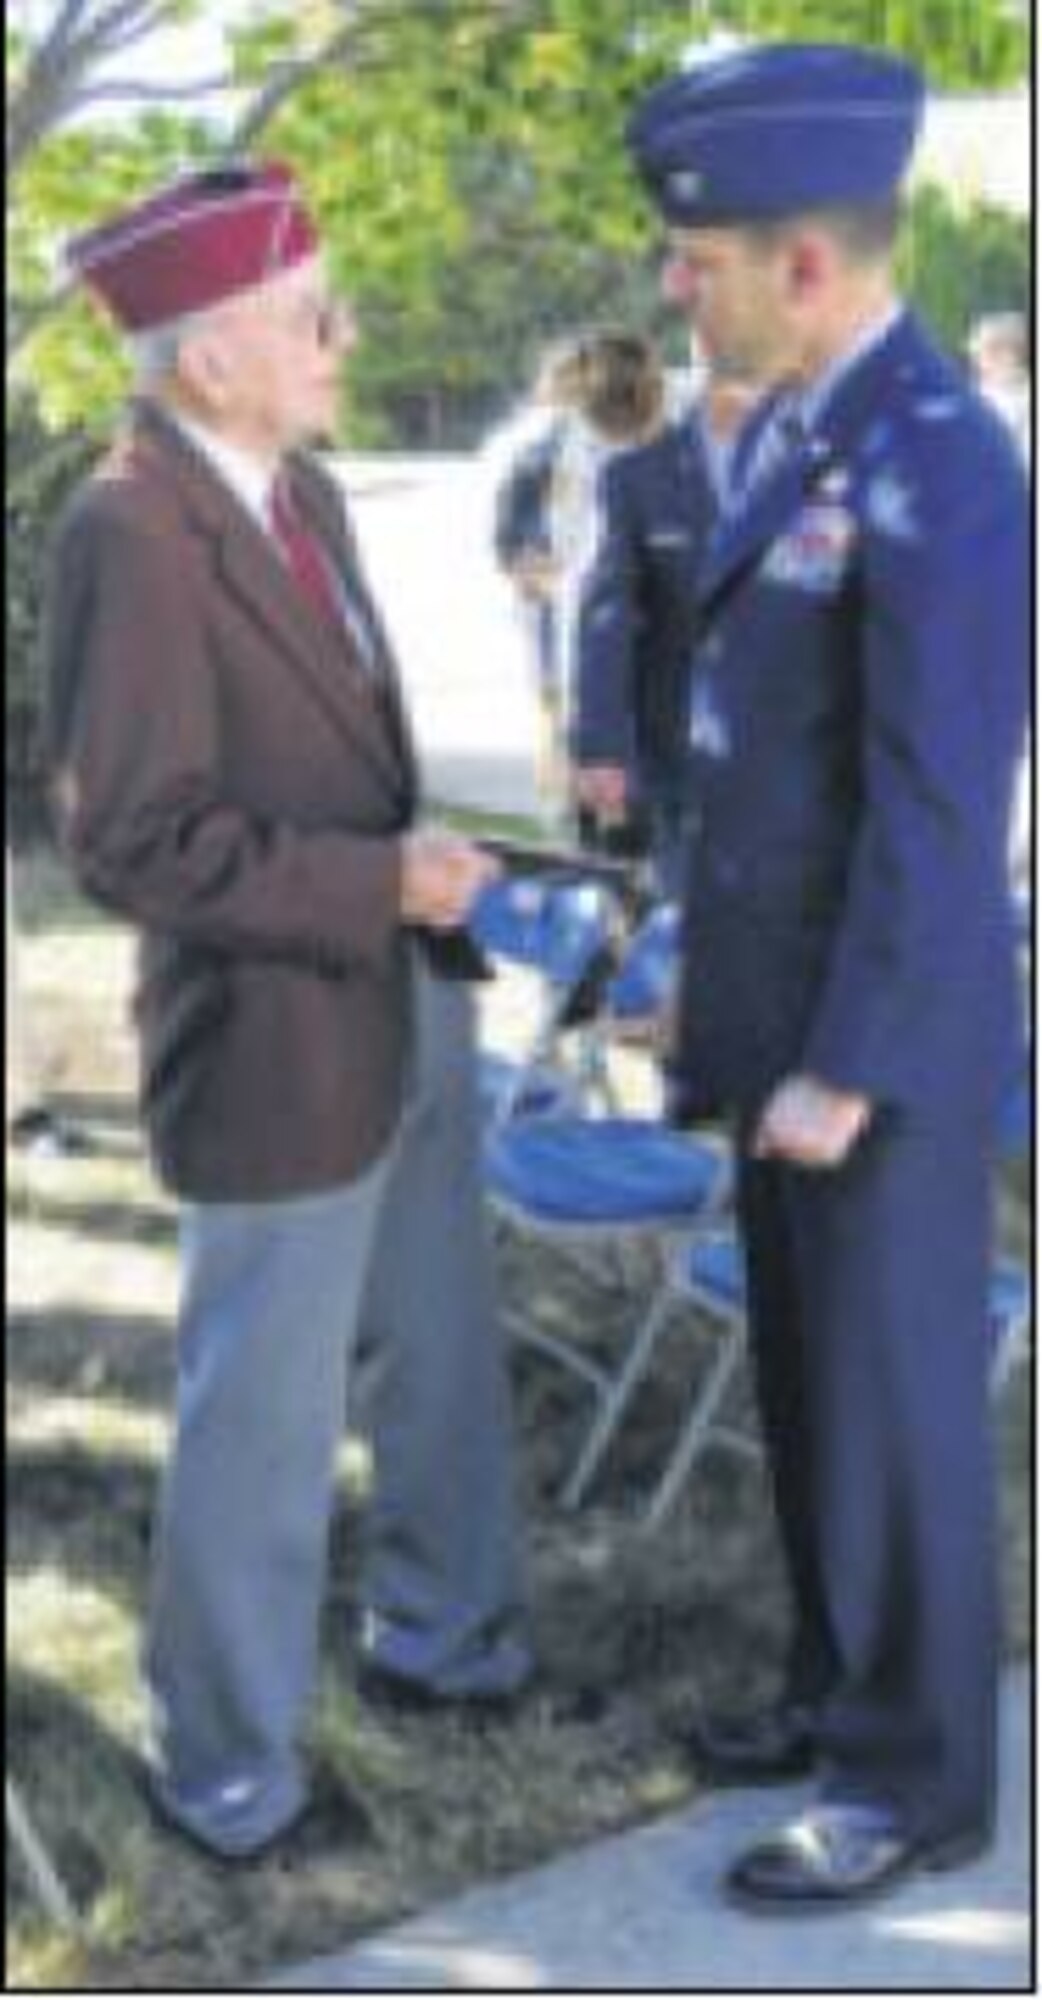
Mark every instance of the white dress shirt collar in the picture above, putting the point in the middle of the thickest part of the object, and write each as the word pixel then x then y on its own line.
pixel 249 478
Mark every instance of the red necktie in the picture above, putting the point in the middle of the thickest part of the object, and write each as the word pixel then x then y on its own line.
pixel 304 556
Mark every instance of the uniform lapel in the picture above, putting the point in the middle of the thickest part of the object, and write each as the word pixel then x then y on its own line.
pixel 697 476
pixel 742 536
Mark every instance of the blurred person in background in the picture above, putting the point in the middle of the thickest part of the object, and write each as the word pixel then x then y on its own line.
pixel 999 355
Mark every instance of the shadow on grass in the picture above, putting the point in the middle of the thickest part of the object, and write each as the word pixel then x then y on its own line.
pixel 128 1357
pixel 62 1758
pixel 81 1513
pixel 109 1107
pixel 101 1221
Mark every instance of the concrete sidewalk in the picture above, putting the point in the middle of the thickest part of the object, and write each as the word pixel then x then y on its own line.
pixel 643 1911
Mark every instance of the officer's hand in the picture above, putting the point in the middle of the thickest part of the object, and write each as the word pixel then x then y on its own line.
pixel 810 1124
pixel 441 876
pixel 603 789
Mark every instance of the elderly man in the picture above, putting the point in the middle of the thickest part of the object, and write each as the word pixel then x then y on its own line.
pixel 234 773
pixel 850 989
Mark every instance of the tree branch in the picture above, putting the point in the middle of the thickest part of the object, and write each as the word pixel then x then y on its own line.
pixel 146 24
pixel 139 91
pixel 364 22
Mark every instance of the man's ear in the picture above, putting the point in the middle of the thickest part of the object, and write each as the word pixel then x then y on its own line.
pixel 809 263
pixel 203 367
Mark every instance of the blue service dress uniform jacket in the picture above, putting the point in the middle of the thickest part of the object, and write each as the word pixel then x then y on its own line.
pixel 640 617
pixel 858 709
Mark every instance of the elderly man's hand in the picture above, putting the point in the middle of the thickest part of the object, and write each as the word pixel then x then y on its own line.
pixel 604 790
pixel 442 875
pixel 810 1124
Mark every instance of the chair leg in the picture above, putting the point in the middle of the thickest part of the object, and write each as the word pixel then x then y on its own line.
pixel 563 1351
pixel 594 1075
pixel 696 1431
pixel 615 1402
pixel 46 1883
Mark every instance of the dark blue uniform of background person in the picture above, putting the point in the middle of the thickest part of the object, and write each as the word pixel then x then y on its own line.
pixel 850 989
pixel 638 628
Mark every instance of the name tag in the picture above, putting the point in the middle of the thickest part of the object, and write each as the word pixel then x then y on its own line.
pixel 669 538
pixel 815 554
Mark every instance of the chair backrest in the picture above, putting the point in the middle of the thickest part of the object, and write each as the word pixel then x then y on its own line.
pixel 644 979
pixel 557 929
pixel 1016 1120
pixel 562 932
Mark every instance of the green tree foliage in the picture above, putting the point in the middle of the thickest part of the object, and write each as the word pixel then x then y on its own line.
pixel 73 365
pixel 962 44
pixel 466 161
pixel 957 262
pixel 465 157
pixel 474 186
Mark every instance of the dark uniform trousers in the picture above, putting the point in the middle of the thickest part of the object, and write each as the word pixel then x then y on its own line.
pixel 869 1308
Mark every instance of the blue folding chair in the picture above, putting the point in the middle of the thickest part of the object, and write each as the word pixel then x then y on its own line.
pixel 643 982
pixel 708 1274
pixel 564 932
pixel 582 1182
pixel 41 1871
pixel 635 1001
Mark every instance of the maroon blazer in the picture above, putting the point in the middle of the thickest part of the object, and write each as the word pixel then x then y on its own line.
pixel 230 777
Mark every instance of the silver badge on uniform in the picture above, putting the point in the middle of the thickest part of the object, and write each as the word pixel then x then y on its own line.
pixel 686 183
pixel 891 507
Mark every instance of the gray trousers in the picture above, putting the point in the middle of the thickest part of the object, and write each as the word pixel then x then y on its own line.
pixel 277 1297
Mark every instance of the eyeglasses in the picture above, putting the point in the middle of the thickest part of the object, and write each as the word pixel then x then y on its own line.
pixel 325 322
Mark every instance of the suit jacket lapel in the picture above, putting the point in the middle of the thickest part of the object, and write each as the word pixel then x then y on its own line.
pixel 251 569
pixel 325 512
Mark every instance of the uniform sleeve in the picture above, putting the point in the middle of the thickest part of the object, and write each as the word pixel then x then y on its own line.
pixel 944 688
pixel 603 724
pixel 148 820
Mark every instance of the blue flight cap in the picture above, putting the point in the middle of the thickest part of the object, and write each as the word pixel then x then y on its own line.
pixel 775 130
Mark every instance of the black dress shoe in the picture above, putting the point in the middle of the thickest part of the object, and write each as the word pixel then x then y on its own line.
pixel 331 1819
pixel 837 1855
pixel 765 1748
pixel 401 1694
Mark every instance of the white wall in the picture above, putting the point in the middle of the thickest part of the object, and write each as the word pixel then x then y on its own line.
pixel 980 145
pixel 424 524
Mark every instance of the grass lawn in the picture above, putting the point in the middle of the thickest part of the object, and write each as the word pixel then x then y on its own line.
pixel 633 1634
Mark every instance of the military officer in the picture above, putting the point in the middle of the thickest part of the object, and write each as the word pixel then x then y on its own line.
pixel 235 775
pixel 638 619
pixel 849 980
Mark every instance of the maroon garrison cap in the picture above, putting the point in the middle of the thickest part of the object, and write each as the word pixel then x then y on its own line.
pixel 195 242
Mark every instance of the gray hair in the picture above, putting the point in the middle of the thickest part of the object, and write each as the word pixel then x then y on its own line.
pixel 156 350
